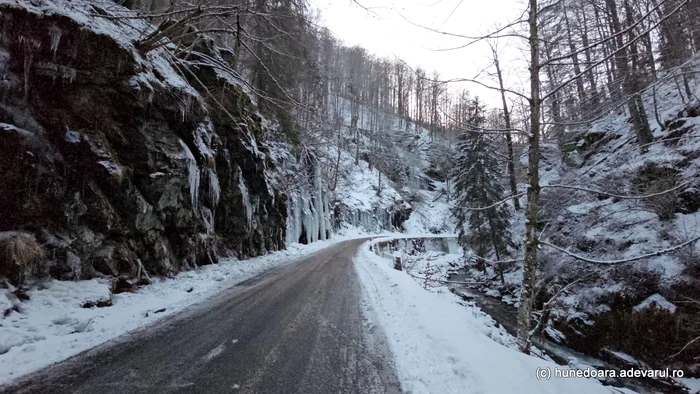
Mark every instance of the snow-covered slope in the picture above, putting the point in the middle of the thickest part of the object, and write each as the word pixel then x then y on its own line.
pixel 443 347
pixel 374 187
pixel 600 223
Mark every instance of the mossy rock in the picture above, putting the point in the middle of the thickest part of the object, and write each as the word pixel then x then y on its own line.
pixel 653 178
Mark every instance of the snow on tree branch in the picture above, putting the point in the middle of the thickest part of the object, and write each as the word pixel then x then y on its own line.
pixel 621 261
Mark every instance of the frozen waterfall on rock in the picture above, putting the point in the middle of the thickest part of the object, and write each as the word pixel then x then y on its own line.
pixel 308 217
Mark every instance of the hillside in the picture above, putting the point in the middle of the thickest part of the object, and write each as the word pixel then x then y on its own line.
pixel 593 210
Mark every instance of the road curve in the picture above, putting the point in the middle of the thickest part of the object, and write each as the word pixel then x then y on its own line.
pixel 295 329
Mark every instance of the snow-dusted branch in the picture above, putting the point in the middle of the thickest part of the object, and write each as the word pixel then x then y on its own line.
pixel 470 80
pixel 498 33
pixel 425 278
pixel 169 14
pixel 620 196
pixel 631 27
pixel 503 201
pixel 683 349
pixel 614 53
pixel 622 261
pixel 481 130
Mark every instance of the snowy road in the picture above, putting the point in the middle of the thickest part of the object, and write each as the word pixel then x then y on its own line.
pixel 294 329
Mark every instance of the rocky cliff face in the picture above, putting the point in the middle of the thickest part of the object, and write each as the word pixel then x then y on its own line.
pixel 115 158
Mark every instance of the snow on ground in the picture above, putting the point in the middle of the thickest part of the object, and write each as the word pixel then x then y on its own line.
pixel 441 346
pixel 693 385
pixel 357 187
pixel 430 215
pixel 53 326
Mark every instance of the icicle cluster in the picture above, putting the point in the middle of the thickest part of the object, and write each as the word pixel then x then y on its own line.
pixel 247 206
pixel 55 33
pixel 308 217
pixel 214 191
pixel 193 171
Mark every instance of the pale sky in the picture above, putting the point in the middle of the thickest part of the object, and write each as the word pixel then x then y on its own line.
pixel 387 31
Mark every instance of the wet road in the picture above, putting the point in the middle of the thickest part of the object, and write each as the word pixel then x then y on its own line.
pixel 295 329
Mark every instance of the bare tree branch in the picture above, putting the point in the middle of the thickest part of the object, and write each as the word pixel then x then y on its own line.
pixel 621 261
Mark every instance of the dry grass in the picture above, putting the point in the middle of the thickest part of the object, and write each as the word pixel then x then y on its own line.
pixel 19 252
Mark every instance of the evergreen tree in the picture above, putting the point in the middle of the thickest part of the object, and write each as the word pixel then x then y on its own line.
pixel 477 183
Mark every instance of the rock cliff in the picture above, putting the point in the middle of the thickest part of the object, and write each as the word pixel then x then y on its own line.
pixel 114 157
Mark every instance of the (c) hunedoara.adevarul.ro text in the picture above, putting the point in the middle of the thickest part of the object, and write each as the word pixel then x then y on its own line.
pixel 565 373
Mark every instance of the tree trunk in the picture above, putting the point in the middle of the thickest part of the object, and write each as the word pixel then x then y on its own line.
pixel 589 74
pixel 574 59
pixel 509 139
pixel 354 115
pixel 337 161
pixel 237 47
pixel 629 81
pixel 533 191
pixel 656 108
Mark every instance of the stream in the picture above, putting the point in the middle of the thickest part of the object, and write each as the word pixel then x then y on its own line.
pixel 506 315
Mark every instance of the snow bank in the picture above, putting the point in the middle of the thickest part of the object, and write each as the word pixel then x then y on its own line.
pixel 441 346
pixel 53 325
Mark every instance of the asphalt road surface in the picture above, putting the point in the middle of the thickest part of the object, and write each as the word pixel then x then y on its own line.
pixel 295 329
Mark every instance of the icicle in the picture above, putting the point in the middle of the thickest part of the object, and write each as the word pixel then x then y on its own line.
pixel 214 188
pixel 208 219
pixel 318 204
pixel 55 33
pixel 294 219
pixel 193 175
pixel 310 221
pixel 247 206
pixel 326 213
pixel 186 106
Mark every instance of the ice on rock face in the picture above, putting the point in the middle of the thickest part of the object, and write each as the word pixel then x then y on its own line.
pixel 308 212
pixel 305 220
pixel 208 219
pixel 113 168
pixel 326 212
pixel 72 136
pixel 370 221
pixel 55 33
pixel 294 219
pixel 320 210
pixel 214 188
pixel 193 175
pixel 204 138
pixel 245 197
pixel 310 221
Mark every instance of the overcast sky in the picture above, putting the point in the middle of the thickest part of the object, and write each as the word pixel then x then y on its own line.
pixel 389 30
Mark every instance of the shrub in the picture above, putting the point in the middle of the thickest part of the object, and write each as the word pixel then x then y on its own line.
pixel 19 253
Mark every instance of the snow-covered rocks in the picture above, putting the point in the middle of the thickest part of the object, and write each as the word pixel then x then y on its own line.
pixel 169 187
pixel 656 301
